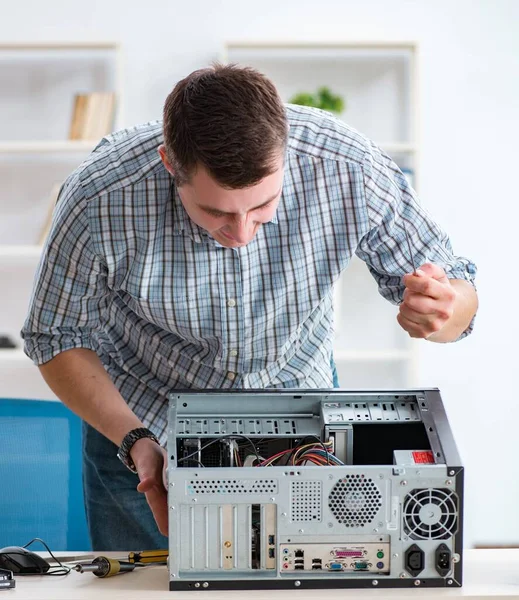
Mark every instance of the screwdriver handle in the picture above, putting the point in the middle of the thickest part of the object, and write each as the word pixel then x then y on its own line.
pixel 108 567
pixel 102 566
pixel 148 556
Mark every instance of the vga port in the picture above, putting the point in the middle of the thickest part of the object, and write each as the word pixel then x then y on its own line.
pixel 335 566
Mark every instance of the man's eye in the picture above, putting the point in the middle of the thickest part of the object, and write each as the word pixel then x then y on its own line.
pixel 265 205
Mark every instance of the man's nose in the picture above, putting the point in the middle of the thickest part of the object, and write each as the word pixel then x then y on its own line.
pixel 241 229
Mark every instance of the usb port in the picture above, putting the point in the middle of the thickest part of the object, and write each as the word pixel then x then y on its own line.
pixel 272 553
pixel 271 540
pixel 316 567
pixel 299 567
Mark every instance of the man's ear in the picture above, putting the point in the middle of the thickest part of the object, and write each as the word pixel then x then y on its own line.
pixel 164 158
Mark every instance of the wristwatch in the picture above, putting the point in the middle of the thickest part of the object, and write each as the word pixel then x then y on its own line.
pixel 127 444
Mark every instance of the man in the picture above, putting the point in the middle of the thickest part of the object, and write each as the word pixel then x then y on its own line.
pixel 210 264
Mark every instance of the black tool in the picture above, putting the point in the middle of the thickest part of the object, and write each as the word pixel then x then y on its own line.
pixel 410 250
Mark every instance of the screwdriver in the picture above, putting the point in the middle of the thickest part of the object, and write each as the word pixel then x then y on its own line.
pixel 102 566
pixel 148 556
pixel 410 251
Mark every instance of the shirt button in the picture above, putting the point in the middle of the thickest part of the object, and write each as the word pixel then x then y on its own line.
pixel 231 375
pixel 231 302
pixel 233 353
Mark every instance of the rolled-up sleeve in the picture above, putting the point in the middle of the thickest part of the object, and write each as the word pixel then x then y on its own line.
pixel 70 293
pixel 392 208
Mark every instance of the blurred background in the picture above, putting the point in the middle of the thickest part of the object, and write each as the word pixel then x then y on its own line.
pixel 435 84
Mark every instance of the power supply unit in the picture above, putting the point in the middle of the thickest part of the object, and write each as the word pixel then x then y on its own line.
pixel 313 489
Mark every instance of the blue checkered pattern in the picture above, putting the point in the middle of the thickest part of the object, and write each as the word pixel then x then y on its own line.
pixel 127 274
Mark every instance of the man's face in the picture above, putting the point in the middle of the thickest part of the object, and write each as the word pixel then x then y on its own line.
pixel 231 217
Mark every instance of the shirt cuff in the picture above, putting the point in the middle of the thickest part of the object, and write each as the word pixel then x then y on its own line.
pixel 41 348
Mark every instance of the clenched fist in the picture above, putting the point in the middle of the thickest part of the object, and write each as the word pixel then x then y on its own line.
pixel 428 303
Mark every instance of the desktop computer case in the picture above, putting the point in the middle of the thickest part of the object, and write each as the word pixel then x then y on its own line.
pixel 390 516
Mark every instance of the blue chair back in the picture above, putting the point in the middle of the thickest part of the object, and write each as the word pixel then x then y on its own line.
pixel 41 489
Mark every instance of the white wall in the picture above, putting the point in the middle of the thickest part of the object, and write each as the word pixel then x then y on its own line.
pixel 470 97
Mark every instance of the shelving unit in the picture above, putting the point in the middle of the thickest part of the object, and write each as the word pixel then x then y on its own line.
pixel 36 108
pixel 42 147
pixel 379 82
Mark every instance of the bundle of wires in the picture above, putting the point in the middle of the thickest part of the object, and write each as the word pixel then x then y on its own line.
pixel 237 458
pixel 318 454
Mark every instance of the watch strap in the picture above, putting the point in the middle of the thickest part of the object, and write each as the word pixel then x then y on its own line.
pixel 127 444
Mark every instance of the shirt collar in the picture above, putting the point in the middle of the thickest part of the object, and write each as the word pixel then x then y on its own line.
pixel 182 223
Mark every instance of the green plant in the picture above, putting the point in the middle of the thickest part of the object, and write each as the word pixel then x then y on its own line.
pixel 323 99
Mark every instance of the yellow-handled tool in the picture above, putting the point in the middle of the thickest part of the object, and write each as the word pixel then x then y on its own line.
pixel 102 566
pixel 148 556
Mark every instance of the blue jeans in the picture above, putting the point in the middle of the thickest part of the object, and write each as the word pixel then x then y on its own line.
pixel 334 373
pixel 118 516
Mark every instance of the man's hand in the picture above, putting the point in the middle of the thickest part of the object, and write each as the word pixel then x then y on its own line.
pixel 429 301
pixel 151 463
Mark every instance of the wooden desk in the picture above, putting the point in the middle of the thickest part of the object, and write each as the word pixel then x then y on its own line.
pixel 487 574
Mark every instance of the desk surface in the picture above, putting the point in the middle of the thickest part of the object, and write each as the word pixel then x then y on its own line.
pixel 487 574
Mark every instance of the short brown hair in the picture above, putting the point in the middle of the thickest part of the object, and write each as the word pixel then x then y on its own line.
pixel 229 119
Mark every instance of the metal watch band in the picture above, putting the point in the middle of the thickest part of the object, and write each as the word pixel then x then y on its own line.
pixel 127 444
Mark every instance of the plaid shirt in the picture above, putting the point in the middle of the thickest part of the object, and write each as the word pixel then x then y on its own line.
pixel 127 274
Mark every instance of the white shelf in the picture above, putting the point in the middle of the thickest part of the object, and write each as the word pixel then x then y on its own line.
pixel 24 253
pixel 318 50
pixel 59 46
pixel 14 355
pixel 398 147
pixel 20 378
pixel 292 44
pixel 378 81
pixel 42 79
pixel 27 147
pixel 36 119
